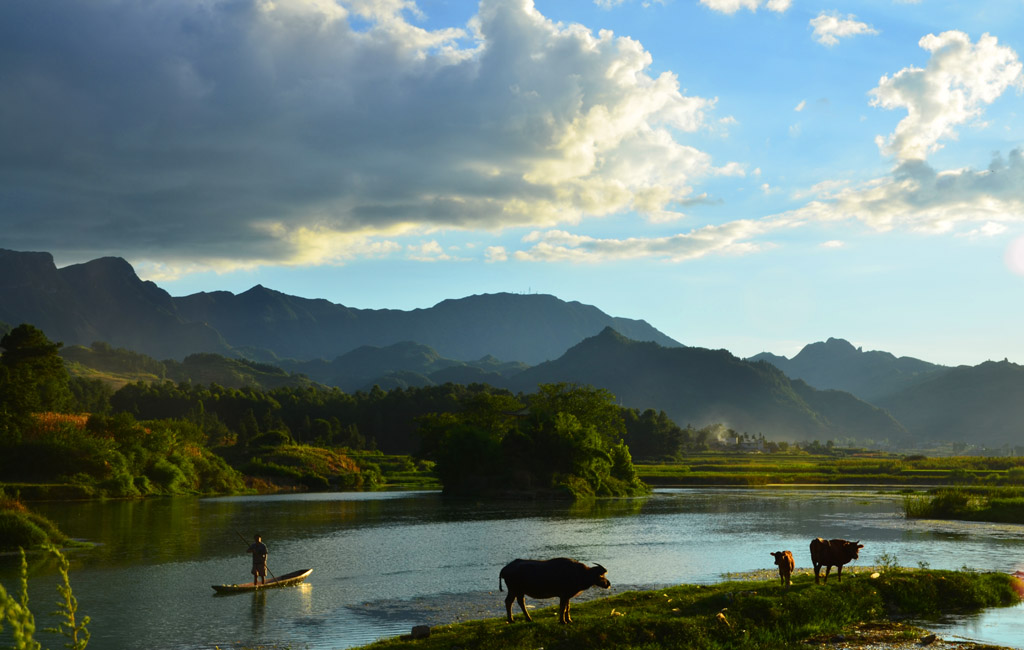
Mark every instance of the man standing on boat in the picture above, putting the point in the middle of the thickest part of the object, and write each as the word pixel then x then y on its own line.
pixel 259 560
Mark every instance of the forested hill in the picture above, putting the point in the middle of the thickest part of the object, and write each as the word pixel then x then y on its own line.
pixel 981 404
pixel 104 300
pixel 699 386
pixel 871 375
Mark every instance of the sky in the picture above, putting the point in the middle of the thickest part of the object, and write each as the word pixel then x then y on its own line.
pixel 753 175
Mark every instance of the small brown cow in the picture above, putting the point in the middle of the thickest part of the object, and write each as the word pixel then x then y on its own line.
pixel 784 559
pixel 561 577
pixel 830 553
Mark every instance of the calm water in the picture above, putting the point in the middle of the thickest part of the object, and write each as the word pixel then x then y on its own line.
pixel 384 562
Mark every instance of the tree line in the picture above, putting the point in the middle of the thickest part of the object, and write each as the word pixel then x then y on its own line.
pixel 168 437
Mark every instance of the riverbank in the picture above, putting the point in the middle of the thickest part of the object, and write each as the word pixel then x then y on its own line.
pixel 859 612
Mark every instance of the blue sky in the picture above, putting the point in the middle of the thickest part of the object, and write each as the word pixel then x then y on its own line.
pixel 752 175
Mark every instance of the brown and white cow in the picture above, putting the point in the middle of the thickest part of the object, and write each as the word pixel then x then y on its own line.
pixel 560 578
pixel 784 560
pixel 830 553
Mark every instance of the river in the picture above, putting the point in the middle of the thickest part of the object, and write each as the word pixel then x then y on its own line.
pixel 386 561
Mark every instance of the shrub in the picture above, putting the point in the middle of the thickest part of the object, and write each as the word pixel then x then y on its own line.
pixel 17 530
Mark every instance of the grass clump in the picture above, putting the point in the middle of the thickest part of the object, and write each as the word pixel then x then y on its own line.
pixel 731 614
pixel 22 528
pixel 980 503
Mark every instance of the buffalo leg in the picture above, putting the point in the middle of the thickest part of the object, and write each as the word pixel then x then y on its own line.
pixel 522 606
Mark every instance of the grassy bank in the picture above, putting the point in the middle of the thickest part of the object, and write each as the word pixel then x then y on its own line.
pixel 22 528
pixel 748 614
pixel 995 504
pixel 751 470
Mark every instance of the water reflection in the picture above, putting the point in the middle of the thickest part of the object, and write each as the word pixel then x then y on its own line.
pixel 259 609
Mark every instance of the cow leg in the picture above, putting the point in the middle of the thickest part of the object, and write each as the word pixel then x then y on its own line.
pixel 817 568
pixel 828 569
pixel 563 610
pixel 522 606
pixel 509 599
pixel 839 573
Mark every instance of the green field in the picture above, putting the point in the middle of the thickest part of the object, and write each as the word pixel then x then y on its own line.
pixel 738 469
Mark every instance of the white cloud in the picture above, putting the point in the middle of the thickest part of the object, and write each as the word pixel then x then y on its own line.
pixel 830 27
pixel 496 254
pixel 430 251
pixel 915 198
pixel 732 6
pixel 799 107
pixel 732 238
pixel 296 131
pixel 960 78
pixel 918 198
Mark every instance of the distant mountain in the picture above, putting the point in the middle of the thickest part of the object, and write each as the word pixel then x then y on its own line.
pixel 870 376
pixel 700 387
pixel 101 300
pixel 104 300
pixel 527 328
pixel 400 366
pixel 981 404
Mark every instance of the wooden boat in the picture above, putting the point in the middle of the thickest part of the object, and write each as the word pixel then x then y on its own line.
pixel 293 578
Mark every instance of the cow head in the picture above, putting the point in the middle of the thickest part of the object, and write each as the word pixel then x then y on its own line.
pixel 780 557
pixel 852 549
pixel 598 572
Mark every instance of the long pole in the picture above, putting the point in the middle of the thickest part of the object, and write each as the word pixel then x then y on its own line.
pixel 247 543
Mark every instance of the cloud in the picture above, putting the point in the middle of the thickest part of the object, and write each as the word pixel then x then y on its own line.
pixel 430 251
pixel 830 27
pixel 732 6
pixel 960 78
pixel 915 198
pixel 302 131
pixel 801 106
pixel 918 198
pixel 732 238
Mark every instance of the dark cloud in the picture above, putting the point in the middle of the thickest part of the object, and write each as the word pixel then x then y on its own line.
pixel 230 131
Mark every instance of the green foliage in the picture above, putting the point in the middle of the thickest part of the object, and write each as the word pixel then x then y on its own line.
pixel 67 608
pixel 15 612
pixel 568 442
pixel 32 378
pixel 981 503
pixel 18 530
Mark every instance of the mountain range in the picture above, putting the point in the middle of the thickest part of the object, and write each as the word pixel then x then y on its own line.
pixel 104 300
pixel 830 389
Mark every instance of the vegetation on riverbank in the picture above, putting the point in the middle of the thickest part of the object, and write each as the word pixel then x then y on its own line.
pixel 978 503
pixel 853 468
pixel 22 528
pixel 733 615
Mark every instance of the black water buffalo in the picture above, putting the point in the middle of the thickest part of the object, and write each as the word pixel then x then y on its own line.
pixel 784 559
pixel 830 553
pixel 561 577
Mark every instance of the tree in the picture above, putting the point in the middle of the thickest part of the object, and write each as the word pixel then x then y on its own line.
pixel 33 378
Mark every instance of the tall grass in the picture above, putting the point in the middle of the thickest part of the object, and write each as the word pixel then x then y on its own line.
pixel 16 615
